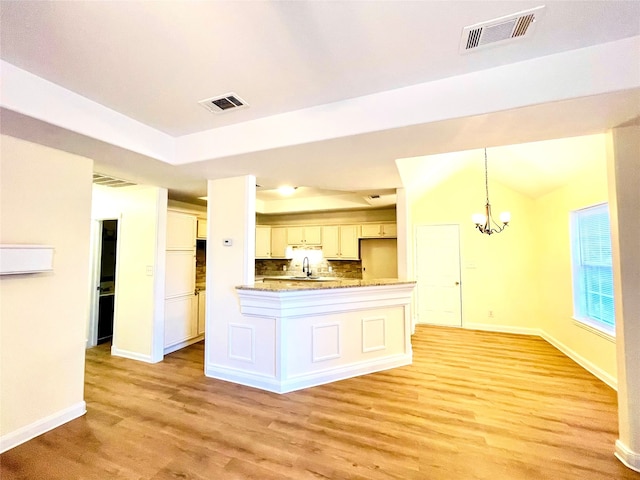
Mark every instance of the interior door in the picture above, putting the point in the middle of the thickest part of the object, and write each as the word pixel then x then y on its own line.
pixel 438 274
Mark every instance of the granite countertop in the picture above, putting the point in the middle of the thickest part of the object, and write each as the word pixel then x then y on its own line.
pixel 321 283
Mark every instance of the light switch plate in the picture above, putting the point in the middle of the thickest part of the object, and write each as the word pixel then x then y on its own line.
pixel 227 242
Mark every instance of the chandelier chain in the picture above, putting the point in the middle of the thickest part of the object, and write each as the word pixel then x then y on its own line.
pixel 486 175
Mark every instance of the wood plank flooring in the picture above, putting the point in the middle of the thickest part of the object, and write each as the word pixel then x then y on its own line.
pixel 474 405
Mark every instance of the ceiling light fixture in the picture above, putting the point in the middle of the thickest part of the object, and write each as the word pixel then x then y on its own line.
pixel 485 222
pixel 286 190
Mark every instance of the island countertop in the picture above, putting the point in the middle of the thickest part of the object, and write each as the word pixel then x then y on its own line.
pixel 296 285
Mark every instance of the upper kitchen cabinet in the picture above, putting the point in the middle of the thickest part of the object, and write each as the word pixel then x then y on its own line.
pixel 340 242
pixel 263 241
pixel 181 231
pixel 202 229
pixel 304 235
pixel 279 242
pixel 378 230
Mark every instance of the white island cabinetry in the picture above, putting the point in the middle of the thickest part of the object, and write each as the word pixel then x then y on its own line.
pixel 297 335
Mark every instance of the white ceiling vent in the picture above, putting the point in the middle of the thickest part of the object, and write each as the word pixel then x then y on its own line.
pixel 499 30
pixel 107 181
pixel 224 103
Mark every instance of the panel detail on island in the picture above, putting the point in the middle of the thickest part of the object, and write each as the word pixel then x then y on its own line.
pixel 317 333
pixel 373 334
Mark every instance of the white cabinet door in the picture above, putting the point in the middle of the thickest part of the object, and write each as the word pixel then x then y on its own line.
pixel 349 242
pixel 331 242
pixel 180 318
pixel 279 242
pixel 377 230
pixel 263 242
pixel 295 235
pixel 180 278
pixel 202 301
pixel 181 231
pixel 313 235
pixel 202 229
pixel 389 230
pixel 340 242
pixel 307 235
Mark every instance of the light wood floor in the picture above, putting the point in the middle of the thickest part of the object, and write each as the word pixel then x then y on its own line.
pixel 473 405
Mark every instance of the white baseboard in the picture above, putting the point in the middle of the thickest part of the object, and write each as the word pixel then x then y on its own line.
pixel 627 456
pixel 487 327
pixel 243 377
pixel 343 372
pixel 272 384
pixel 26 433
pixel 580 360
pixel 186 343
pixel 117 352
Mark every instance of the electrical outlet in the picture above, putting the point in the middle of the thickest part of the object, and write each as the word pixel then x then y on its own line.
pixel 490 315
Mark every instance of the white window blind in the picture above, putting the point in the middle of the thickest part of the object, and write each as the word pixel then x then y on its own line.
pixel 592 271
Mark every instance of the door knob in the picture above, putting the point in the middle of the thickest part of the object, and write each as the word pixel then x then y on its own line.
pixel 457 283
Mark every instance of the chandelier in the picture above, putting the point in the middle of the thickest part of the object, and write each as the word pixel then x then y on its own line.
pixel 484 221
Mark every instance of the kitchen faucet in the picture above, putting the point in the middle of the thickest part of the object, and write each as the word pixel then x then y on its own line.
pixel 305 266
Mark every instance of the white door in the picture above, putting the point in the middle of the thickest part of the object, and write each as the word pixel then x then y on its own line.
pixel 379 258
pixel 438 274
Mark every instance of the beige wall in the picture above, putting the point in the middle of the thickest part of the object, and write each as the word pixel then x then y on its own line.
pixel 139 300
pixel 45 198
pixel 497 272
pixel 554 275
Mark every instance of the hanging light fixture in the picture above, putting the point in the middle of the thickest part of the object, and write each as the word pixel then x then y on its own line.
pixel 484 221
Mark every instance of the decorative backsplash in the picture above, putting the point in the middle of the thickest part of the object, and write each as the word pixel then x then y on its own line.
pixel 339 268
pixel 201 261
pixel 284 267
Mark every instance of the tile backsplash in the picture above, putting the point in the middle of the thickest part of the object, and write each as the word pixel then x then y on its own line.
pixel 201 261
pixel 339 268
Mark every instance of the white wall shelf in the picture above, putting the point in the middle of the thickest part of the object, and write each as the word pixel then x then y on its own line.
pixel 21 259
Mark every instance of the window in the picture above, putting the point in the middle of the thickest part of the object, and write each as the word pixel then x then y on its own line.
pixel 592 271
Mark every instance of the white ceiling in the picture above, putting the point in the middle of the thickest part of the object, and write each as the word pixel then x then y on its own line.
pixel 153 61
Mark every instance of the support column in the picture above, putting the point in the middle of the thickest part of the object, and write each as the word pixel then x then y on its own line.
pixel 624 199
pixel 231 230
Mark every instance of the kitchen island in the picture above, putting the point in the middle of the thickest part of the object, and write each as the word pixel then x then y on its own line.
pixel 301 333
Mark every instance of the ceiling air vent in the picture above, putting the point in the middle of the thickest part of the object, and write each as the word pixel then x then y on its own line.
pixel 224 103
pixel 509 27
pixel 107 181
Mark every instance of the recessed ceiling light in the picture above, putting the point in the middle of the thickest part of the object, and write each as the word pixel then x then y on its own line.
pixel 286 190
